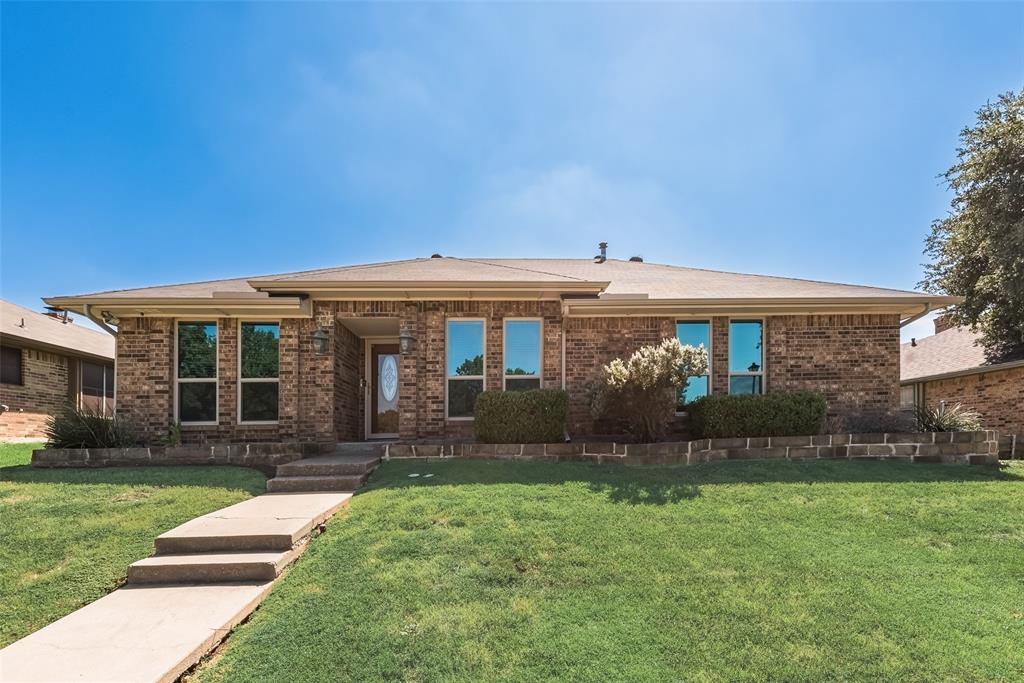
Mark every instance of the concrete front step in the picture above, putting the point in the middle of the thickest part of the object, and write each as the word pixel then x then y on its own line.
pixel 330 466
pixel 315 483
pixel 272 522
pixel 212 567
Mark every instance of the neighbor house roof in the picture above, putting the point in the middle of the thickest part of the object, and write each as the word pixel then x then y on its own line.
pixel 614 286
pixel 952 352
pixel 23 326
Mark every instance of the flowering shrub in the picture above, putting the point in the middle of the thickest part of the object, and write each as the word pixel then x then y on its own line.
pixel 643 389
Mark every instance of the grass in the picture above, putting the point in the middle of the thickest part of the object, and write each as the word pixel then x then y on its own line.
pixel 521 571
pixel 67 536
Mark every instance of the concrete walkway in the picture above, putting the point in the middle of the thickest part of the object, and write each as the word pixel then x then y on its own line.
pixel 145 632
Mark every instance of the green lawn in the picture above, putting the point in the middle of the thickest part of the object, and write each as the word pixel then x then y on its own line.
pixel 68 536
pixel 519 571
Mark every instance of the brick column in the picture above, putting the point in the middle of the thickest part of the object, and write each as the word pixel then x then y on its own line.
pixel 145 394
pixel 315 380
pixel 408 374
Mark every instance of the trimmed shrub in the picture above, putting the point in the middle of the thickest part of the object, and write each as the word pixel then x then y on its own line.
pixel 534 416
pixel 947 418
pixel 796 413
pixel 74 428
pixel 642 391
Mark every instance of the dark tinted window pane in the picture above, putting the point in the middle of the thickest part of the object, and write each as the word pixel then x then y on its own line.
pixel 92 379
pixel 197 350
pixel 108 373
pixel 512 384
pixel 197 401
pixel 465 347
pixel 745 343
pixel 462 395
pixel 260 350
pixel 10 365
pixel 259 401
pixel 522 347
pixel 750 384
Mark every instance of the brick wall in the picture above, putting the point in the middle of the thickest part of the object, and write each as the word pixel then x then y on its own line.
pixel 43 391
pixel 997 396
pixel 852 359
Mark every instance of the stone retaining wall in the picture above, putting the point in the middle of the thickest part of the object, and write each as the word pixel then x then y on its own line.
pixel 975 448
pixel 264 457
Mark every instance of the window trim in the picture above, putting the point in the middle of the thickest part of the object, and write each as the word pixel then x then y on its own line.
pixel 504 350
pixel 763 373
pixel 448 378
pixel 178 381
pixel 711 340
pixel 239 380
pixel 21 366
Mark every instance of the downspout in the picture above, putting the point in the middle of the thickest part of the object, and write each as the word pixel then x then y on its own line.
pixel 102 323
pixel 917 316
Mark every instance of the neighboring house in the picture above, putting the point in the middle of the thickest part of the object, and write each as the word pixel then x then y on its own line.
pixel 402 349
pixel 46 361
pixel 950 366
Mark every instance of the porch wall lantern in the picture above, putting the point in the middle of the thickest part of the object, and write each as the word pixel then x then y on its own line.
pixel 406 341
pixel 321 342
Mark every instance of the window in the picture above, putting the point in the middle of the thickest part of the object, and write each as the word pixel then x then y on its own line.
pixel 97 388
pixel 197 372
pixel 258 368
pixel 908 396
pixel 746 357
pixel 10 365
pixel 523 360
pixel 465 340
pixel 695 333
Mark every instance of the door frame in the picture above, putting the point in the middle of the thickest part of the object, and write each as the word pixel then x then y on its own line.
pixel 367 400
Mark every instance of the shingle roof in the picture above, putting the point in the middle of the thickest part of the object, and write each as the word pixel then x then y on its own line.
pixel 954 350
pixel 656 281
pixel 27 326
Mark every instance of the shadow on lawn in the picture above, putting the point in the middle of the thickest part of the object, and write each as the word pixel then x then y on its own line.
pixel 222 476
pixel 660 485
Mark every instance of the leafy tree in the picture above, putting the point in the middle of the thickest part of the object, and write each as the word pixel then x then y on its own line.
pixel 977 251
pixel 259 350
pixel 471 366
pixel 197 350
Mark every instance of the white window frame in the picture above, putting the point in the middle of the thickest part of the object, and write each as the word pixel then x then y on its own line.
pixel 763 373
pixel 178 381
pixel 240 380
pixel 711 341
pixel 448 377
pixel 504 350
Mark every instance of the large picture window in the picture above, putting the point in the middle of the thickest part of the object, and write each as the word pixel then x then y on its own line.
pixel 197 372
pixel 259 359
pixel 523 359
pixel 465 362
pixel 97 387
pixel 746 357
pixel 695 333
pixel 10 365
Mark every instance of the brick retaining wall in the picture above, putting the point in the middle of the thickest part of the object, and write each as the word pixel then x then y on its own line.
pixel 975 448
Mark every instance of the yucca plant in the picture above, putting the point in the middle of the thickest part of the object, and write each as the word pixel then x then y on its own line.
pixel 947 418
pixel 75 428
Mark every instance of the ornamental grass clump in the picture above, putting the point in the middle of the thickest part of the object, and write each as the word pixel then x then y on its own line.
pixel 947 418
pixel 74 428
pixel 642 391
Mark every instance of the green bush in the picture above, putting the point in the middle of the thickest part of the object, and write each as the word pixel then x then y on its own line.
pixel 74 428
pixel 795 413
pixel 534 416
pixel 947 418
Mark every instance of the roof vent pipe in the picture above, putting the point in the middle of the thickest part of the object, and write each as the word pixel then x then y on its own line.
pixel 636 259
pixel 603 256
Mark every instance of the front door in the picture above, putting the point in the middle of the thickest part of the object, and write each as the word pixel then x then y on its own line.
pixel 384 390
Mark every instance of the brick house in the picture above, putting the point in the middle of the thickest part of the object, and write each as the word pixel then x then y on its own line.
pixel 401 349
pixel 47 361
pixel 950 366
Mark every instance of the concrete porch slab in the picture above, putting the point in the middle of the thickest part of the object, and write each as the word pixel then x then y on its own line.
pixel 134 634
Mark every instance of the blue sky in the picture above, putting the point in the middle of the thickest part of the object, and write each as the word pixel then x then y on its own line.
pixel 150 143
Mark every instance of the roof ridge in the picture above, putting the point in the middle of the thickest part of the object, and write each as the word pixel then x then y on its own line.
pixel 356 266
